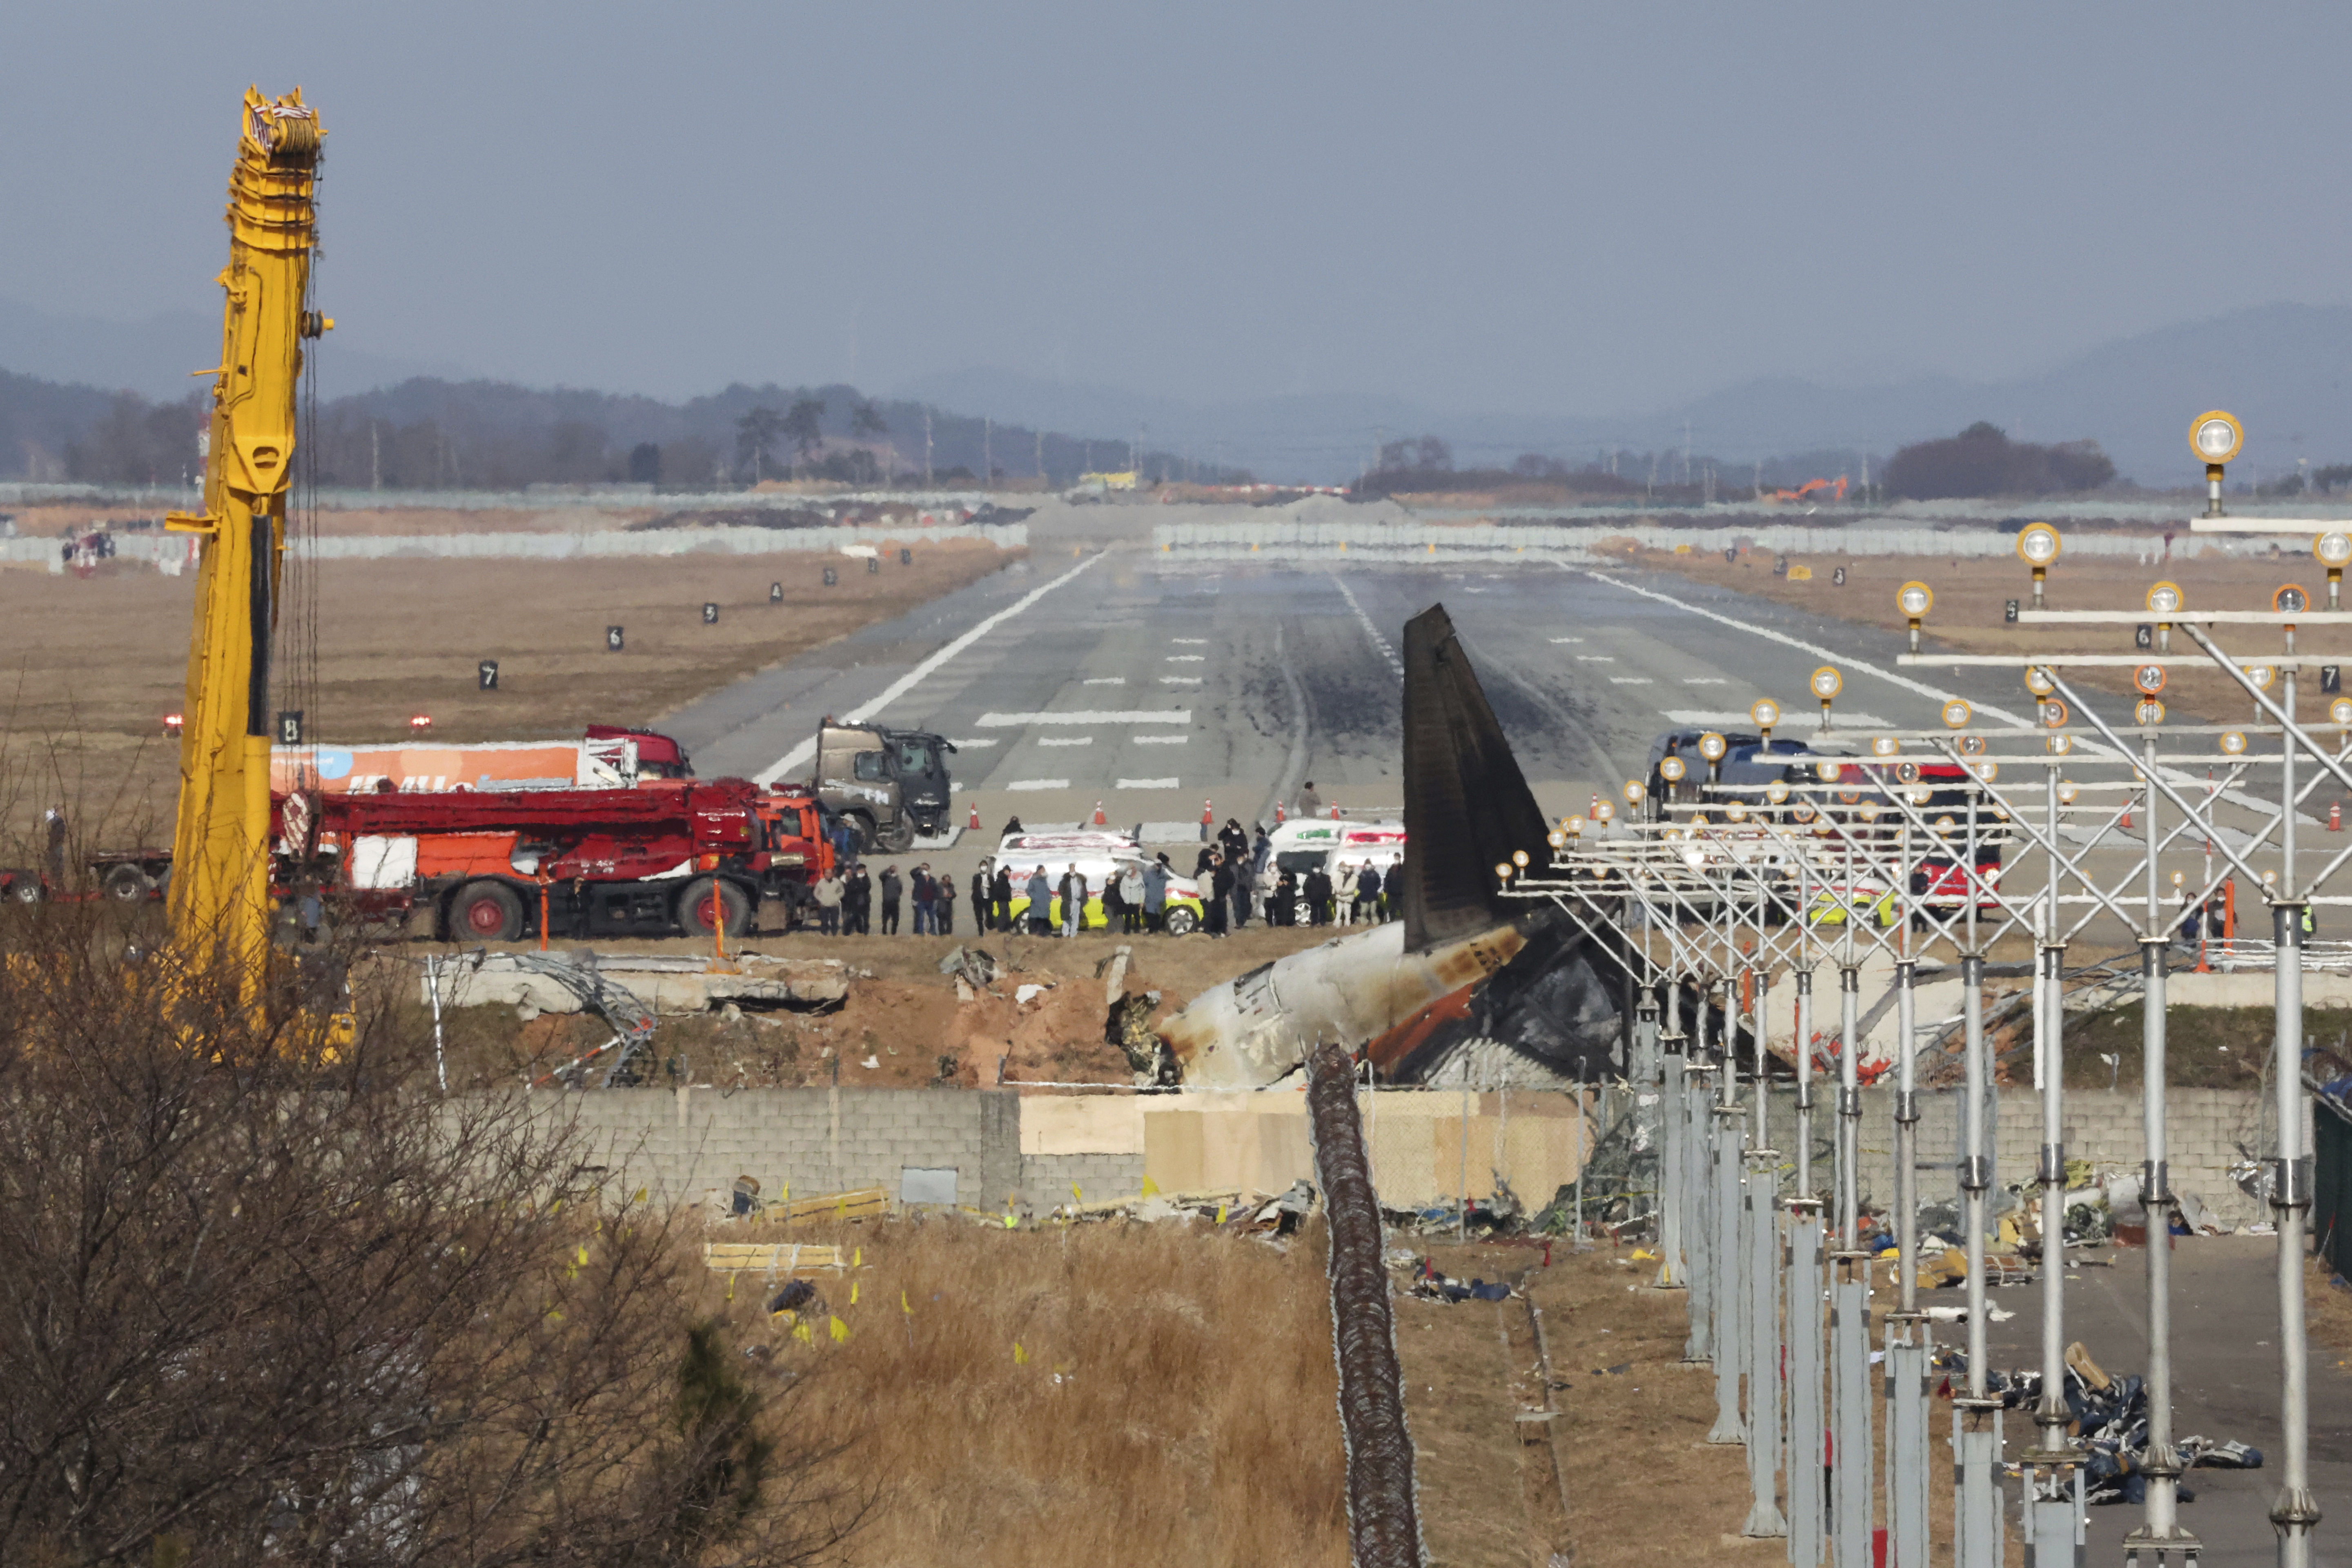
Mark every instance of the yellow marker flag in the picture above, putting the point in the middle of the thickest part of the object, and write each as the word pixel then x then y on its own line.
pixel 841 1206
pixel 852 1292
pixel 1011 1223
pixel 840 1331
pixel 730 1286
pixel 902 1304
pixel 801 1332
pixel 857 1258
pixel 1020 1356
pixel 1076 1196
pixel 787 1196
pixel 584 1252
pixel 640 1196
pixel 1150 1188
pixel 1221 1214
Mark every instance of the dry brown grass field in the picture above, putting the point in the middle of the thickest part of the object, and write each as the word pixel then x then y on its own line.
pixel 89 666
pixel 1108 1393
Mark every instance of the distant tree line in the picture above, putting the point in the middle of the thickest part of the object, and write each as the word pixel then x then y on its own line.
pixel 1982 460
pixel 1425 463
pixel 427 434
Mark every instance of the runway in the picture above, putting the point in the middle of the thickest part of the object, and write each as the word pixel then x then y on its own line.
pixel 1160 688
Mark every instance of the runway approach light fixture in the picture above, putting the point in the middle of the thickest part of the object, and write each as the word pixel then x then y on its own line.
pixel 1557 839
pixel 2149 679
pixel 2291 599
pixel 2038 546
pixel 1986 770
pixel 1777 791
pixel 2038 681
pixel 1519 858
pixel 1885 746
pixel 2215 437
pixel 2262 675
pixel 1826 683
pixel 420 722
pixel 2233 744
pixel 2053 714
pixel 1712 746
pixel 2334 551
pixel 1635 792
pixel 2165 600
pixel 1503 870
pixel 1670 769
pixel 1915 599
pixel 1827 771
pixel 1576 825
pixel 1736 812
pixel 1604 811
pixel 2340 710
pixel 1764 713
pixel 1956 714
pixel 2065 794
pixel 2150 714
pixel 2061 745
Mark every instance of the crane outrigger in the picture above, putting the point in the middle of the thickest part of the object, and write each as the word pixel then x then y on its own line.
pixel 221 844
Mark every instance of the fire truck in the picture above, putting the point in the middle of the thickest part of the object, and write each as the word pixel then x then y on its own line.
pixel 498 866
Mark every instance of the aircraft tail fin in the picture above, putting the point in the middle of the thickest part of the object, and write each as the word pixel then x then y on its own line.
pixel 1467 804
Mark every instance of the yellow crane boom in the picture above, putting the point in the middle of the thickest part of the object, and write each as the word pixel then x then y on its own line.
pixel 220 849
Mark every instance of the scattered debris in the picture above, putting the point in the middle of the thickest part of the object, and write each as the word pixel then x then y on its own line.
pixel 1431 1285
pixel 2110 1417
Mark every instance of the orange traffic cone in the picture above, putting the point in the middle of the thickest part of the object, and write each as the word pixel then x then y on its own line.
pixel 1208 817
pixel 1335 814
pixel 1280 815
pixel 2335 818
pixel 2127 822
pixel 1098 813
pixel 975 816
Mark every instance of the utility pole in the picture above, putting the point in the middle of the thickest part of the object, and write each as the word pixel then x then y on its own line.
pixel 1686 451
pixel 1041 458
pixel 1865 479
pixel 375 456
pixel 927 448
pixel 1135 454
pixel 987 450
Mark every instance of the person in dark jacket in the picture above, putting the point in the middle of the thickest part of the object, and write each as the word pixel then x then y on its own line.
pixel 1202 861
pixel 1073 889
pixel 857 903
pixel 1221 893
pixel 1261 849
pixel 942 903
pixel 920 887
pixel 1367 894
pixel 1237 872
pixel 1041 903
pixel 980 900
pixel 1155 894
pixel 890 890
pixel 999 890
pixel 1282 910
pixel 1233 841
pixel 1114 903
pixel 1318 895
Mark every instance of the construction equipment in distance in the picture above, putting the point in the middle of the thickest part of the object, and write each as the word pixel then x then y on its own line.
pixel 221 844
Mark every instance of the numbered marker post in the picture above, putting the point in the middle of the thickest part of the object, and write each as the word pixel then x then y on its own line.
pixel 775 593
pixel 611 639
pixel 831 577
pixel 905 557
pixel 709 615
pixel 289 726
pixel 873 565
pixel 486 675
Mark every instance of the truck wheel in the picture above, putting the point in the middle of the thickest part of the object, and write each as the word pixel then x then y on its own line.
pixel 695 911
pixel 1180 922
pixel 127 885
pixel 485 911
pixel 26 888
pixel 899 839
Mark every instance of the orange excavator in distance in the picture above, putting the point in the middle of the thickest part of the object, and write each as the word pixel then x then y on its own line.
pixel 1836 488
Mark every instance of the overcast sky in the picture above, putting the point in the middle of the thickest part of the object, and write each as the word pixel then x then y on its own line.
pixel 1544 207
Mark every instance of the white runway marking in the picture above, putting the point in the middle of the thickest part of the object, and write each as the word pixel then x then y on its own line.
pixel 1039 783
pixel 1146 784
pixel 1705 680
pixel 1188 658
pixel 971 745
pixel 1629 680
pixel 1395 664
pixel 1106 681
pixel 1097 716
pixel 1159 739
pixel 1596 659
pixel 1180 680
pixel 1190 642
pixel 1068 740
pixel 1567 639
pixel 908 682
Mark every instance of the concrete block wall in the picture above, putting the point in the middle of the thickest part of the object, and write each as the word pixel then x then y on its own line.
pixel 1046 1179
pixel 2208 1130
pixel 684 1143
